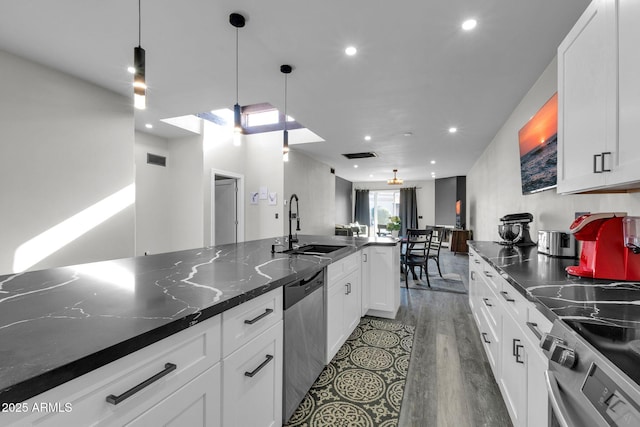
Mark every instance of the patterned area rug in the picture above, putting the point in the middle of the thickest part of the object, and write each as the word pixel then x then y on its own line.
pixel 364 383
pixel 449 282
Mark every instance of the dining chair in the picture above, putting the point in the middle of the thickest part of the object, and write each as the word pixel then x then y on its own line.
pixel 435 243
pixel 415 253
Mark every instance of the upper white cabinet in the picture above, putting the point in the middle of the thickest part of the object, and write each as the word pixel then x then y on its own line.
pixel 599 100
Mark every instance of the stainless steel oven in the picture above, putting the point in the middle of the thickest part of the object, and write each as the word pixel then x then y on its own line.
pixel 593 377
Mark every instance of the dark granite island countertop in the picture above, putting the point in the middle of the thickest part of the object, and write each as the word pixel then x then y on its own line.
pixel 544 281
pixel 60 323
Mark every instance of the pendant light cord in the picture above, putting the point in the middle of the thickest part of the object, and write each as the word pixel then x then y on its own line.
pixel 285 102
pixel 139 22
pixel 237 65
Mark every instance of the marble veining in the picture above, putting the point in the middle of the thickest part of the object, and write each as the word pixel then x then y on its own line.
pixel 60 323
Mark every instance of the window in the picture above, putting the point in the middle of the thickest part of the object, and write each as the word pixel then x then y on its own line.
pixel 383 204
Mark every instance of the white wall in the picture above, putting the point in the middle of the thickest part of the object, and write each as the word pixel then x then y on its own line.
pixel 65 144
pixel 259 160
pixel 494 188
pixel 315 186
pixel 425 195
pixel 153 207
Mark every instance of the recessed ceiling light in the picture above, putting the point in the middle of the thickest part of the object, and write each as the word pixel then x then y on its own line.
pixel 351 50
pixel 370 175
pixel 367 138
pixel 408 134
pixel 469 24
pixel 453 130
pixel 131 70
pixel 355 166
pixel 148 126
pixel 433 162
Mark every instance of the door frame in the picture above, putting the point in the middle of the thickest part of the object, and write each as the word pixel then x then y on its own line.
pixel 239 202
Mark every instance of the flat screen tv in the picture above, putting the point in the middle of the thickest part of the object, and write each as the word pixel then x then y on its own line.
pixel 538 141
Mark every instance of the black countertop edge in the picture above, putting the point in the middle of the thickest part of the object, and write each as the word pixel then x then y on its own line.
pixel 36 385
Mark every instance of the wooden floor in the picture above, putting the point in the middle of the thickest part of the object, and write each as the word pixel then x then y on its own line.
pixel 449 382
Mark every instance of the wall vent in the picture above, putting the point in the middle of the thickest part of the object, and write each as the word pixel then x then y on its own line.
pixel 360 155
pixel 154 159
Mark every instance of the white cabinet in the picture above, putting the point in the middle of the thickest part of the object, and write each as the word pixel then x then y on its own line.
pixel 196 404
pixel 180 359
pixel 506 322
pixel 381 278
pixel 252 335
pixel 343 303
pixel 598 98
pixel 252 378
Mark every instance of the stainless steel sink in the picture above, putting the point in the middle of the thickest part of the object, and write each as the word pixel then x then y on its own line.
pixel 315 249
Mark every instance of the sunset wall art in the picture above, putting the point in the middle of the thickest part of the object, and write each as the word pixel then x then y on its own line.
pixel 538 141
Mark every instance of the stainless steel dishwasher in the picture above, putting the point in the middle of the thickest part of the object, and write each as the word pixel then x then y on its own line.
pixel 304 339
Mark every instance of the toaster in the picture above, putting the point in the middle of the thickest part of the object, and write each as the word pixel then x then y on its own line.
pixel 559 244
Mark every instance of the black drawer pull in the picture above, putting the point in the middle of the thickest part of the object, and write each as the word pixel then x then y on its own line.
pixel 484 338
pixel 262 365
pixel 486 273
pixel 486 303
pixel 267 312
pixel 516 350
pixel 114 400
pixel 506 296
pixel 595 163
pixel 606 153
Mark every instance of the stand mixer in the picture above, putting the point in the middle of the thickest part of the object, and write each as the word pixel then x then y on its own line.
pixel 514 229
pixel 610 246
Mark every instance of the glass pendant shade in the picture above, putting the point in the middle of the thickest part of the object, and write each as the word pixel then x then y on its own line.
pixel 285 146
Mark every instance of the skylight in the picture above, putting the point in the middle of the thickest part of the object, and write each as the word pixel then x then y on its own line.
pixel 261 118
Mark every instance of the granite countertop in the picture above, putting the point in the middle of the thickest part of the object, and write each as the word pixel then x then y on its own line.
pixel 60 323
pixel 544 281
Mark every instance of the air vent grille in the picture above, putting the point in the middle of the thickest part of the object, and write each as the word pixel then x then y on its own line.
pixel 360 155
pixel 154 159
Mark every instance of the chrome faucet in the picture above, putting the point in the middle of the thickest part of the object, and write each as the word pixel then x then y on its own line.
pixel 293 216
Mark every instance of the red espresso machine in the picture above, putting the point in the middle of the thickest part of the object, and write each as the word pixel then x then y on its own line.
pixel 610 246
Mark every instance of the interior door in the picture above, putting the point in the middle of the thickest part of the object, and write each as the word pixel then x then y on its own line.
pixel 226 216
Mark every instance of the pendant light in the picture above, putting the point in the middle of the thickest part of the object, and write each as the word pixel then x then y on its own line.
pixel 139 83
pixel 237 21
pixel 395 180
pixel 285 69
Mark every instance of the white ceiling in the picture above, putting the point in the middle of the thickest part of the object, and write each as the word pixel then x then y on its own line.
pixel 416 70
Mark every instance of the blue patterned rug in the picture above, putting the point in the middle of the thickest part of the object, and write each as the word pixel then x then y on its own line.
pixel 364 383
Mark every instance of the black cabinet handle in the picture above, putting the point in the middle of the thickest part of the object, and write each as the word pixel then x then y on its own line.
pixel 516 350
pixel 486 273
pixel 114 400
pixel 267 312
pixel 535 330
pixel 595 163
pixel 473 275
pixel 365 257
pixel 262 365
pixel 484 338
pixel 477 261
pixel 506 296
pixel 606 153
pixel 486 303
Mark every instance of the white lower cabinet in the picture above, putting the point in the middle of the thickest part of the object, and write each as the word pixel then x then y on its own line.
pixel 252 378
pixel 381 278
pixel 343 303
pixel 197 404
pixel 506 322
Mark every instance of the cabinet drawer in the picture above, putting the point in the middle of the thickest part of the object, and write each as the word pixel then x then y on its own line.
pixel 243 323
pixel 537 324
pixel 192 351
pixel 342 267
pixel 514 302
pixel 490 304
pixel 252 378
pixel 490 341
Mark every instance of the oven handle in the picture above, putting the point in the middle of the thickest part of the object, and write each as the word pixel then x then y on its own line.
pixel 559 409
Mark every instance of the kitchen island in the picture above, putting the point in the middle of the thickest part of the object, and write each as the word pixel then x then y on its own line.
pixel 61 323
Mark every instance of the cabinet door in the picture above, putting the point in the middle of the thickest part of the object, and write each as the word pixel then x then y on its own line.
pixel 513 374
pixel 381 283
pixel 352 302
pixel 335 319
pixel 627 158
pixel 537 397
pixel 252 379
pixel 195 404
pixel 364 282
pixel 587 103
